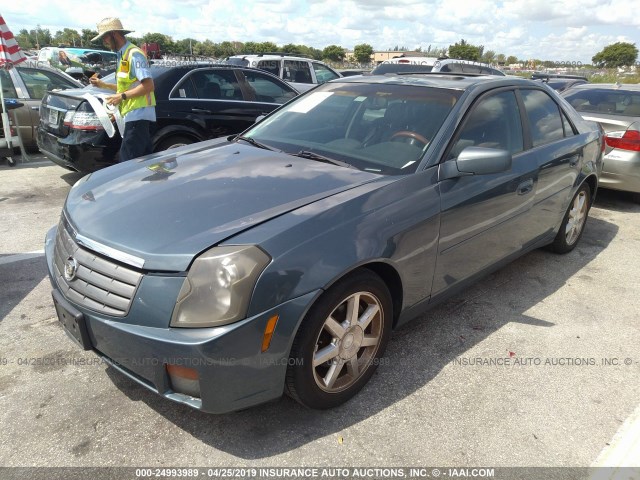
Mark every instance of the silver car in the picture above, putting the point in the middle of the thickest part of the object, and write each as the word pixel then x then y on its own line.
pixel 617 108
pixel 28 82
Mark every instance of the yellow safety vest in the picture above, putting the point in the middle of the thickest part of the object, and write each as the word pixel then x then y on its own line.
pixel 124 82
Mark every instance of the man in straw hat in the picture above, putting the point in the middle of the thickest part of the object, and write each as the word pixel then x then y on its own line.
pixel 134 89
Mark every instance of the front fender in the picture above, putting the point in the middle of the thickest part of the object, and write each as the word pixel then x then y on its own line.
pixel 392 222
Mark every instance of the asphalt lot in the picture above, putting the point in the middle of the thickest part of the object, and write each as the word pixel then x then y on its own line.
pixel 568 326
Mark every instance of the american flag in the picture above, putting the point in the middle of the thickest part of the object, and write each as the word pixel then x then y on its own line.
pixel 10 52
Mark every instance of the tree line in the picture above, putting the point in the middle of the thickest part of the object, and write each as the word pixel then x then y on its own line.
pixel 616 55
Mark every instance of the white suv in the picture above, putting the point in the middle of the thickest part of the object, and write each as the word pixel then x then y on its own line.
pixel 432 64
pixel 300 72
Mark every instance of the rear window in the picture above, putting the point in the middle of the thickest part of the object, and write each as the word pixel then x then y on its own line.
pixel 243 62
pixel 610 102
pixel 400 68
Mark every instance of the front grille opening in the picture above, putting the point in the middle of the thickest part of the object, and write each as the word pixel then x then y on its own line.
pixel 92 280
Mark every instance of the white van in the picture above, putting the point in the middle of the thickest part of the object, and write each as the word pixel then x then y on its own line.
pixel 432 64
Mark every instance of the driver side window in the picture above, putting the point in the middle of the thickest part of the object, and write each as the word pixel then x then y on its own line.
pixel 494 122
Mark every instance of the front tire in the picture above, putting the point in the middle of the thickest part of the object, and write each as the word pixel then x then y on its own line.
pixel 574 221
pixel 340 342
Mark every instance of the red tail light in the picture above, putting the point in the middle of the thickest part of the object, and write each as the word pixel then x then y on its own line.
pixel 629 140
pixel 77 120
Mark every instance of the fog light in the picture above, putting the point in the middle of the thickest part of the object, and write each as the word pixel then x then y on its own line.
pixel 268 332
pixel 184 380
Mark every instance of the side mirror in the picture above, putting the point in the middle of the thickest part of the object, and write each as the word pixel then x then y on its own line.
pixel 12 104
pixel 476 161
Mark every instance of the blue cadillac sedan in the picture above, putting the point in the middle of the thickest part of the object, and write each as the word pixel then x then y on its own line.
pixel 224 273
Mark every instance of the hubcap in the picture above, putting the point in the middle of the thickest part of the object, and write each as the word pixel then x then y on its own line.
pixel 577 217
pixel 348 342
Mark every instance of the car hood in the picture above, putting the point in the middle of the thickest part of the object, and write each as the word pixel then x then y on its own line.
pixel 166 208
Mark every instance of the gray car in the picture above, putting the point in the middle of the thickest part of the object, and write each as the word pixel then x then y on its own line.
pixel 617 109
pixel 223 273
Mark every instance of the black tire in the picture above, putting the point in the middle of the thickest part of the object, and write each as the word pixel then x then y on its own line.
pixel 573 222
pixel 174 141
pixel 357 357
pixel 635 197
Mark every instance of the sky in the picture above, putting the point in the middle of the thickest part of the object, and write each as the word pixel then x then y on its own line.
pixel 560 30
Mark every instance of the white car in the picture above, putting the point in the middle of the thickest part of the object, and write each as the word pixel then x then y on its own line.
pixel 432 64
pixel 300 72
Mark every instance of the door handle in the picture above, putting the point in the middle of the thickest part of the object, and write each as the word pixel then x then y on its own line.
pixel 35 108
pixel 200 110
pixel 525 187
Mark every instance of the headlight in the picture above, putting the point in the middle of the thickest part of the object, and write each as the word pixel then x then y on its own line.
pixel 218 287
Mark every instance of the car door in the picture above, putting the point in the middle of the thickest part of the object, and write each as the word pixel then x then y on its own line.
pixel 210 101
pixel 483 215
pixel 558 151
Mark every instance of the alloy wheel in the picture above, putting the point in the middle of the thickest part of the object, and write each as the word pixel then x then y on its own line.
pixel 577 218
pixel 348 342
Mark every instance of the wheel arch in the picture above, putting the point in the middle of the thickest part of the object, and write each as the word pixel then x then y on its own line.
pixel 389 276
pixel 592 181
pixel 164 133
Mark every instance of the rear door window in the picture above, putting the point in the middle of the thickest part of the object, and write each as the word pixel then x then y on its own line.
pixel 210 85
pixel 544 117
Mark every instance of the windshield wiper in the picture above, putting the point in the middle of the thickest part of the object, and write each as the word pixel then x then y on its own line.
pixel 321 158
pixel 255 143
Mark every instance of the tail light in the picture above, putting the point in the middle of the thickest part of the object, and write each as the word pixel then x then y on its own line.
pixel 628 140
pixel 84 118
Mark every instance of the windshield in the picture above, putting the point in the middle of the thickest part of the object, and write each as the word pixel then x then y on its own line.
pixel 382 128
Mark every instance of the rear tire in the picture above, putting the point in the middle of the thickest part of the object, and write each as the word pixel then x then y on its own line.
pixel 174 142
pixel 574 221
pixel 340 342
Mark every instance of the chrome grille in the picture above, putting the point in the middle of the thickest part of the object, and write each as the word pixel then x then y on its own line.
pixel 99 283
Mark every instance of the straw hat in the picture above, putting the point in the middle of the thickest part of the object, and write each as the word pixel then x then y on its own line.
pixel 107 25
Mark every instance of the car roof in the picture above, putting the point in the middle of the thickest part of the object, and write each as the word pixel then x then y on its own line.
pixel 271 56
pixel 38 65
pixel 460 81
pixel 411 59
pixel 159 67
pixel 556 76
pixel 607 86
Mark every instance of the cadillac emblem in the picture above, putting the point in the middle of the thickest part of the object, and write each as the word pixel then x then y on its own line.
pixel 70 269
